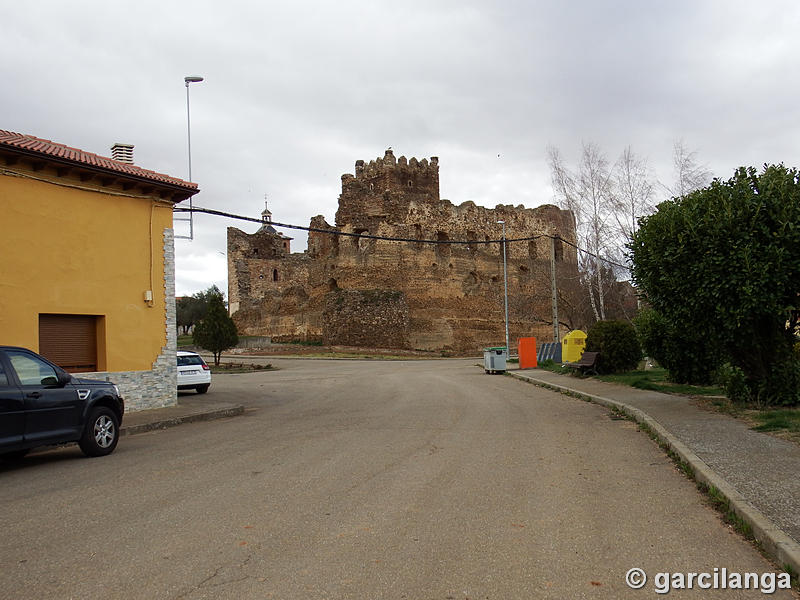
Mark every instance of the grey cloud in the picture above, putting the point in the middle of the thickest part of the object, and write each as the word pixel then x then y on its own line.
pixel 296 92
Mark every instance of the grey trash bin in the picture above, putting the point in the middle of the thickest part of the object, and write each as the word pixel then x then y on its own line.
pixel 494 359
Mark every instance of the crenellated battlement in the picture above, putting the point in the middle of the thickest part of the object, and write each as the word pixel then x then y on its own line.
pixel 381 166
pixel 385 186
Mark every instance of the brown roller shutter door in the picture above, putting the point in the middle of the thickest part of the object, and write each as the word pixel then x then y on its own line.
pixel 70 341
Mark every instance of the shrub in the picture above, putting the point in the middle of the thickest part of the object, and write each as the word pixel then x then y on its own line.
pixel 721 266
pixel 781 386
pixel 689 358
pixel 652 331
pixel 618 345
pixel 733 381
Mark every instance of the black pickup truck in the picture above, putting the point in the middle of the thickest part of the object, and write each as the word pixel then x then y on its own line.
pixel 41 404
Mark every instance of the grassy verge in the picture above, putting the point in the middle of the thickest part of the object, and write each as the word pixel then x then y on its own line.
pixel 787 419
pixel 780 422
pixel 656 380
pixel 186 340
pixel 783 423
pixel 240 368
pixel 550 365
pixel 358 355
pixel 651 379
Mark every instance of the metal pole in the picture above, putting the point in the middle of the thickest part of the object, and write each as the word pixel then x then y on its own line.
pixel 556 333
pixel 188 130
pixel 505 283
pixel 187 80
pixel 189 140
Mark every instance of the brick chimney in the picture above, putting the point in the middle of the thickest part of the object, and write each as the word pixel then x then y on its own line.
pixel 122 152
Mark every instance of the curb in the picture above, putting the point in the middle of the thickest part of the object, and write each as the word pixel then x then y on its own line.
pixel 221 413
pixel 774 541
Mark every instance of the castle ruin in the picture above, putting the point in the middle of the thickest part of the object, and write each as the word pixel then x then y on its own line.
pixel 357 291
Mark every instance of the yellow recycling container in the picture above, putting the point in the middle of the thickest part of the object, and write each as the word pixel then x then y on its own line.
pixel 573 345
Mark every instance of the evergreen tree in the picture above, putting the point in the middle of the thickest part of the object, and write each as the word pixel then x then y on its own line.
pixel 217 331
pixel 721 269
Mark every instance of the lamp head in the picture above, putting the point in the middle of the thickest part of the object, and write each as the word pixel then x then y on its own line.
pixel 192 79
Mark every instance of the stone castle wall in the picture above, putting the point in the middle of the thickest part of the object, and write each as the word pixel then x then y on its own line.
pixel 366 318
pixel 453 292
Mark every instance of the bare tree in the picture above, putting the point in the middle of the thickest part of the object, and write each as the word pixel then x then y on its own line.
pixel 563 183
pixel 634 192
pixel 589 194
pixel 607 202
pixel 690 175
pixel 596 181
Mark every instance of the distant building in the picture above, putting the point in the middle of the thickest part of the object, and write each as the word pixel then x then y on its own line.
pixel 89 264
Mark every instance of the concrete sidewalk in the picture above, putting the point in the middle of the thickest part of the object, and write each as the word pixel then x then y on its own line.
pixel 190 407
pixel 758 473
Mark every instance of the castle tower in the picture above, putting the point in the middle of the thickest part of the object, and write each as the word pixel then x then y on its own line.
pixel 383 190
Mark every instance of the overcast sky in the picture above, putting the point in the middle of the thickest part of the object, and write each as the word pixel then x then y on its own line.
pixel 296 92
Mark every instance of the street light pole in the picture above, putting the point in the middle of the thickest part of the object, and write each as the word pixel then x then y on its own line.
pixel 187 80
pixel 505 283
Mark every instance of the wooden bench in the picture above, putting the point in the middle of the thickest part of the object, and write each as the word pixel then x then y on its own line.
pixel 587 363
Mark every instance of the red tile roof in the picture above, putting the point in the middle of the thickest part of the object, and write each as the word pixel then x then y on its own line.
pixel 46 149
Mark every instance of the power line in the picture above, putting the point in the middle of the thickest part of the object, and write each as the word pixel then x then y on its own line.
pixel 219 213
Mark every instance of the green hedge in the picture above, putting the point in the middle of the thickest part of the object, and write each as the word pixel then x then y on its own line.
pixel 618 345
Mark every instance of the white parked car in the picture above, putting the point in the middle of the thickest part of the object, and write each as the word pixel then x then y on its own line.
pixel 193 372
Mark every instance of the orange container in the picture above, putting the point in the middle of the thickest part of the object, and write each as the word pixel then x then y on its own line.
pixel 527 353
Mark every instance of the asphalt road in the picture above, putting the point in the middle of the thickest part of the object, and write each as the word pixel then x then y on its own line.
pixel 360 479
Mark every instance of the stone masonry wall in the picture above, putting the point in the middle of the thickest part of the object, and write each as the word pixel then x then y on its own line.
pixel 366 318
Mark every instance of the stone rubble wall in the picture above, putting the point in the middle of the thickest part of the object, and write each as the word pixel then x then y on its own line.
pixel 366 318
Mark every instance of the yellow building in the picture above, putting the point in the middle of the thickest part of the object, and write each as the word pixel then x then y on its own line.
pixel 88 263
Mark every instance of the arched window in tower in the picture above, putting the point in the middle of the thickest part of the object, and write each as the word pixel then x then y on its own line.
pixel 442 250
pixel 361 243
pixel 274 274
